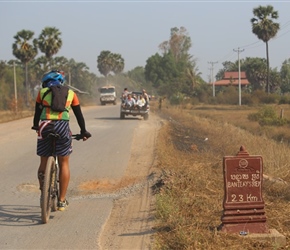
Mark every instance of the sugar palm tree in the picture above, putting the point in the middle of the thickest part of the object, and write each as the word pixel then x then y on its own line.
pixel 105 62
pixel 60 63
pixel 110 62
pixel 49 42
pixel 40 65
pixel 264 27
pixel 119 63
pixel 78 72
pixel 25 49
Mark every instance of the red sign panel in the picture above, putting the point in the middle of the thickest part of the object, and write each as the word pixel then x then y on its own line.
pixel 243 201
pixel 243 181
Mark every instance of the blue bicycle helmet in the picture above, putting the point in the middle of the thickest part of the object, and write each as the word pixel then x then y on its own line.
pixel 54 77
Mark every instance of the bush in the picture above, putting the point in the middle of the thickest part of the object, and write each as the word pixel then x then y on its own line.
pixel 267 116
pixel 285 99
pixel 266 98
pixel 249 99
pixel 230 96
pixel 176 99
pixel 270 98
pixel 194 101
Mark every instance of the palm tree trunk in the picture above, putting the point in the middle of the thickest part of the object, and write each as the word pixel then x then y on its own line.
pixel 268 68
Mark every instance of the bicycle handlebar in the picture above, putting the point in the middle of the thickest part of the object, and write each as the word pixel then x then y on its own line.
pixel 75 136
pixel 78 137
pixel 35 128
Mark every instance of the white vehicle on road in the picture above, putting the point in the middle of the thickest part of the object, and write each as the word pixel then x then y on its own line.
pixel 108 95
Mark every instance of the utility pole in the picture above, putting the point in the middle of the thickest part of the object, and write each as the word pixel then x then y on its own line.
pixel 240 90
pixel 69 77
pixel 15 88
pixel 212 80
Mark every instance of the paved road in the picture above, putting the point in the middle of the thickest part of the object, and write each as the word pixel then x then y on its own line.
pixel 104 156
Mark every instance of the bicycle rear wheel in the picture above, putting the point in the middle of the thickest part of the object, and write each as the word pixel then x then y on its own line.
pixel 46 190
pixel 54 189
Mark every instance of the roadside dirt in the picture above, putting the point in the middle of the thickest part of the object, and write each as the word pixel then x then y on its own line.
pixel 130 225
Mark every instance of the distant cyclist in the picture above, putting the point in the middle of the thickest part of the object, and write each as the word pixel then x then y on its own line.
pixel 46 121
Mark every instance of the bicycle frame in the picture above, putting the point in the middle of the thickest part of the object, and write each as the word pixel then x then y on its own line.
pixel 50 189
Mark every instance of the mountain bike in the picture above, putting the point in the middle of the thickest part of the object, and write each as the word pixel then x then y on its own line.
pixel 50 186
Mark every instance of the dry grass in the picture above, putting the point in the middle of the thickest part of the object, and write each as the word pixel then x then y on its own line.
pixel 190 189
pixel 6 116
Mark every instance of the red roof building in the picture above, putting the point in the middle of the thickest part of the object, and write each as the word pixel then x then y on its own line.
pixel 232 78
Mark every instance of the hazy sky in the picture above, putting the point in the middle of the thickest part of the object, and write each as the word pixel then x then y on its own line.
pixel 134 29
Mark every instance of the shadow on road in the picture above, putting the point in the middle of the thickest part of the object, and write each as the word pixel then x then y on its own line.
pixel 107 118
pixel 19 215
pixel 117 118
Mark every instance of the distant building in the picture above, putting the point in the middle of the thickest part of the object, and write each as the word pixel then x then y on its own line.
pixel 232 79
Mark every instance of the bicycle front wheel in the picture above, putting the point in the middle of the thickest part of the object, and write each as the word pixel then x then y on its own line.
pixel 46 190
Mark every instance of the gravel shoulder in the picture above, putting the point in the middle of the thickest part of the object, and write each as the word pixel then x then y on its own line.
pixel 130 225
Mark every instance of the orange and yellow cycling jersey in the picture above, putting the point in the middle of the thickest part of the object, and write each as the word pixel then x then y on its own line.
pixel 48 114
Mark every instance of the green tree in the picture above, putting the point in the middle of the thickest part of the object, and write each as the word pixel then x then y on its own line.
pixel 179 43
pixel 172 72
pixel 227 67
pixel 154 73
pixel 194 76
pixel 49 42
pixel 7 92
pixel 82 80
pixel 110 62
pixel 175 71
pixel 60 63
pixel 25 49
pixel 40 65
pixel 105 62
pixel 264 27
pixel 275 81
pixel 285 76
pixel 138 75
pixel 119 64
pixel 256 71
pixel 78 72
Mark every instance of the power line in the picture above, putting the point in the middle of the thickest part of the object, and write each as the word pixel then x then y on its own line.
pixel 257 44
pixel 281 35
pixel 245 46
pixel 287 23
pixel 226 56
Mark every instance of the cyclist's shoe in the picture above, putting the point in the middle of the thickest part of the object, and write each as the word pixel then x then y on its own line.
pixel 62 205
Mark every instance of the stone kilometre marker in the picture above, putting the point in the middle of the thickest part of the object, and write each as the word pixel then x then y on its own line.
pixel 243 201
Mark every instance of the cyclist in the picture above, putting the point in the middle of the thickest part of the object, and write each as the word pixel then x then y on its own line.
pixel 45 121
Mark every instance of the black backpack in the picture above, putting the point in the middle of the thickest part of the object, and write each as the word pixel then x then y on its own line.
pixel 58 99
